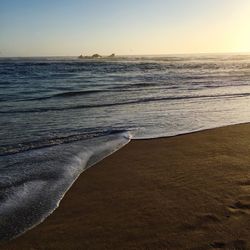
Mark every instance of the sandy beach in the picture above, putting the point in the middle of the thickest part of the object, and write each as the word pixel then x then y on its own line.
pixel 184 192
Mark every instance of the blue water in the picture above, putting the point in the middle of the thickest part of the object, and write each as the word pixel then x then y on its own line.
pixel 58 116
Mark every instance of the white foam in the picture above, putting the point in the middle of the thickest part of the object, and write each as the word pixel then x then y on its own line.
pixel 32 184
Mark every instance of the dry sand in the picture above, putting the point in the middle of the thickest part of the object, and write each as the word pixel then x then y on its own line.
pixel 184 192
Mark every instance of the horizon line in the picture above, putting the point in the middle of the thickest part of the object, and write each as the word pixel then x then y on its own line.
pixel 146 55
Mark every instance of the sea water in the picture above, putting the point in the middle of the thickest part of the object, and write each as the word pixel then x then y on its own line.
pixel 58 116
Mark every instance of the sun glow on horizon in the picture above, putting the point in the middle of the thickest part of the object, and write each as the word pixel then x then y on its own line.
pixel 236 28
pixel 66 28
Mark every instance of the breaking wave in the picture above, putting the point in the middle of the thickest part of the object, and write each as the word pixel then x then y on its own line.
pixel 138 101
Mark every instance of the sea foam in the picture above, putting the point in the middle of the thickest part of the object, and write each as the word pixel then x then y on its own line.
pixel 33 183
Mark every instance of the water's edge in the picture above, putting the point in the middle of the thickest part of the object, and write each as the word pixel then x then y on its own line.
pixel 190 132
pixel 45 176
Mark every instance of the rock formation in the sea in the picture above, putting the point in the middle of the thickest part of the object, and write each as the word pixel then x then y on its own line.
pixel 95 56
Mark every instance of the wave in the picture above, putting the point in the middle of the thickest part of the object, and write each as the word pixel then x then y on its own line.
pixel 33 183
pixel 69 94
pixel 76 93
pixel 48 142
pixel 59 95
pixel 113 88
pixel 142 100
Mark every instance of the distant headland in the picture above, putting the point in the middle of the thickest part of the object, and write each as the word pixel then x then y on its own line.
pixel 96 56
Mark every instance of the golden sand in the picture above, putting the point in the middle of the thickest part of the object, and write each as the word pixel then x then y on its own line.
pixel 185 192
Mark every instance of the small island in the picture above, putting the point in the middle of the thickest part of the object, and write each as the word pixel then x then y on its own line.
pixel 96 56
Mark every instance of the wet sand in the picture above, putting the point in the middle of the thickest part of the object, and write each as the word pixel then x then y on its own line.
pixel 185 192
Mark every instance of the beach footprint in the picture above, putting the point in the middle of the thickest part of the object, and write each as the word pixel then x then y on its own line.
pixel 245 185
pixel 202 221
pixel 242 205
pixel 232 245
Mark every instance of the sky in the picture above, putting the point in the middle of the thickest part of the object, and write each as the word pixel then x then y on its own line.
pixel 124 27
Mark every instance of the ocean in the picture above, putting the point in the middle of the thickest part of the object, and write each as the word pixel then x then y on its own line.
pixel 59 116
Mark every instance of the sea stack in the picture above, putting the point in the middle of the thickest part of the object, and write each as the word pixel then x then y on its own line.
pixel 96 56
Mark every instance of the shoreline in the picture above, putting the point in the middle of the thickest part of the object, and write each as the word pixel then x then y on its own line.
pixel 156 194
pixel 191 132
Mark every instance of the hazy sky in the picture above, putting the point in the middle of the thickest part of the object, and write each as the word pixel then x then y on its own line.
pixel 71 27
